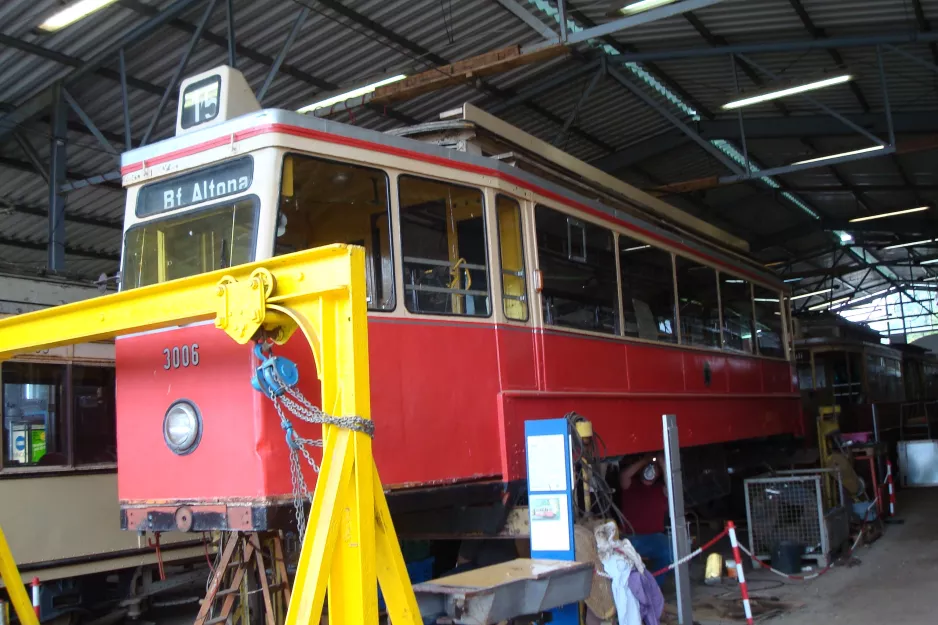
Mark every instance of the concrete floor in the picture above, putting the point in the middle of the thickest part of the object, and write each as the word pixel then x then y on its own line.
pixel 895 581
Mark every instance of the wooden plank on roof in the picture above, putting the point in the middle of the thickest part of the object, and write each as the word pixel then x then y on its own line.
pixel 461 72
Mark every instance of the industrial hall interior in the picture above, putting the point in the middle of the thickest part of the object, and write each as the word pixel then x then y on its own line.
pixel 468 312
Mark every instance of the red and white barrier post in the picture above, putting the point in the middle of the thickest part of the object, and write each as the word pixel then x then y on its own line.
pixel 892 490
pixel 35 585
pixel 740 574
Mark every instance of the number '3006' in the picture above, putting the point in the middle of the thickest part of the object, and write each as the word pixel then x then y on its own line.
pixel 185 356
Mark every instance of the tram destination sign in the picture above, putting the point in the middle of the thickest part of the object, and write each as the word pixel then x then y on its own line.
pixel 210 183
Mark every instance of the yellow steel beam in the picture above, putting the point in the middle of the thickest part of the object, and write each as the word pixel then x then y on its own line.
pixel 321 292
pixel 207 296
pixel 14 585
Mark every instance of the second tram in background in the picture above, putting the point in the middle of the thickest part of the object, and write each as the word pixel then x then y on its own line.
pixel 845 364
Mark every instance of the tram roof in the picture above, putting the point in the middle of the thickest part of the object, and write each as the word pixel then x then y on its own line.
pixel 275 122
pixel 676 68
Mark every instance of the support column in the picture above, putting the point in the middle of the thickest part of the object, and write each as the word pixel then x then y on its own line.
pixel 56 240
pixel 679 546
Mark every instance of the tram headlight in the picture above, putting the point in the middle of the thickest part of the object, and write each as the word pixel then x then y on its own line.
pixel 182 427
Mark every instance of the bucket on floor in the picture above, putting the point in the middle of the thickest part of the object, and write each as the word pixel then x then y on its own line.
pixel 731 569
pixel 786 557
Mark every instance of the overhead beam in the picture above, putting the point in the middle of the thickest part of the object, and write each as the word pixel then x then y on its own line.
pixel 32 211
pixel 820 33
pixel 246 52
pixel 895 226
pixel 34 106
pixel 673 119
pixel 464 71
pixel 799 45
pixel 632 21
pixel 23 166
pixel 769 128
pixel 69 251
pixel 530 19
pixel 71 61
pixel 435 59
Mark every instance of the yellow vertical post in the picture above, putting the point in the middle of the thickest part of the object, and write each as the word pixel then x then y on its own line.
pixel 350 543
pixel 14 585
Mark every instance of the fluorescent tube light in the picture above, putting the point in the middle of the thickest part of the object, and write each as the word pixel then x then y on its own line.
pixel 643 5
pixel 892 214
pixel 828 304
pixel 768 300
pixel 804 295
pixel 793 280
pixel 735 281
pixel 930 261
pixel 846 237
pixel 72 13
pixel 932 279
pixel 870 296
pixel 909 244
pixel 636 248
pixel 832 156
pixel 781 93
pixel 354 93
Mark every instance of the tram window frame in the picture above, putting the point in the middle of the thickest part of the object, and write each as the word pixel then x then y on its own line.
pixel 522 300
pixel 565 255
pixel 66 420
pixel 761 310
pixel 375 266
pixel 627 245
pixel 190 213
pixel 409 304
pixel 687 338
pixel 729 282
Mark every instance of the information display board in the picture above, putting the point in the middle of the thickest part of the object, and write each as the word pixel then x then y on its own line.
pixel 550 498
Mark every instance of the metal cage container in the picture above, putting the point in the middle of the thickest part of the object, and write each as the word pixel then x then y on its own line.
pixel 804 506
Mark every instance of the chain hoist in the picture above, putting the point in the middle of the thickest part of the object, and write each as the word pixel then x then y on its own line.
pixel 276 378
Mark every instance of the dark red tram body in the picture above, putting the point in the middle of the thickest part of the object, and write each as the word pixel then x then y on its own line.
pixel 449 394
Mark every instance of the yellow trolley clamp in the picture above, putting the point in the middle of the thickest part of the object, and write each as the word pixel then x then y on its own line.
pixel 350 545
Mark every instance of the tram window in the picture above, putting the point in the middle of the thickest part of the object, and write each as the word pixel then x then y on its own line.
pixel 324 202
pixel 579 288
pixel 738 326
pixel 511 253
pixel 190 243
pixel 876 377
pixel 34 426
pixel 443 246
pixel 768 322
pixel 647 277
pixel 893 375
pixel 94 423
pixel 697 297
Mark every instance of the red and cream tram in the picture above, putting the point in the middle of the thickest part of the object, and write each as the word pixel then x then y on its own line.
pixel 501 288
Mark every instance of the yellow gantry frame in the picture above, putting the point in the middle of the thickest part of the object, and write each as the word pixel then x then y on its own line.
pixel 350 545
pixel 14 585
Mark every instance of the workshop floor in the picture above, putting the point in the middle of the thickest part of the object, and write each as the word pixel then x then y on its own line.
pixel 895 580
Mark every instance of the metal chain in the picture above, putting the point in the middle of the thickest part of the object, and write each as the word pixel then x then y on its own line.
pixel 300 407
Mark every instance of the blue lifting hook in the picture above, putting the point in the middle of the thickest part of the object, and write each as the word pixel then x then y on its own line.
pixel 274 375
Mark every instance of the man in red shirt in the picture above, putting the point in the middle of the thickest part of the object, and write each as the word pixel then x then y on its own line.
pixel 644 504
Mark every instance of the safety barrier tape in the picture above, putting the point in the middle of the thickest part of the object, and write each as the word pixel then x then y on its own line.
pixel 696 552
pixel 730 530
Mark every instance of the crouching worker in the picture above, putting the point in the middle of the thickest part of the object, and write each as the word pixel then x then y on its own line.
pixel 644 504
